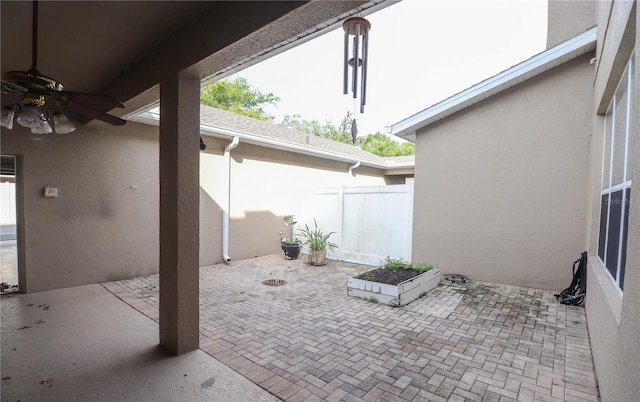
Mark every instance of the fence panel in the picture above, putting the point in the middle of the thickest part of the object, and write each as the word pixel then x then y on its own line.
pixel 371 223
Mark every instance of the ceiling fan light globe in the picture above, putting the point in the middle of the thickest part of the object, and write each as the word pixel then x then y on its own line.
pixel 29 117
pixel 44 128
pixel 62 125
pixel 6 119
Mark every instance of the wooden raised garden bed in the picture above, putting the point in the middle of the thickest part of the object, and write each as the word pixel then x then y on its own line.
pixel 396 283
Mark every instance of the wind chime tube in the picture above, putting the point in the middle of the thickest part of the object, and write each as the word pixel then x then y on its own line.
pixel 345 73
pixel 365 59
pixel 354 78
pixel 356 27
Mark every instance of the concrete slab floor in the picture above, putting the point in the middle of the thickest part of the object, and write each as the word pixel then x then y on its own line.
pixel 84 344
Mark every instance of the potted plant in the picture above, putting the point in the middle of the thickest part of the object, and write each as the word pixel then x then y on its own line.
pixel 317 242
pixel 289 244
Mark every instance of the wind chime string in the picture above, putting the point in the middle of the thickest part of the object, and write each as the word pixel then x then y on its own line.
pixel 354 126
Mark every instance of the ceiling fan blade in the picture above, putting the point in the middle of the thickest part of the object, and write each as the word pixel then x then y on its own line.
pixel 95 114
pixel 38 89
pixel 94 99
pixel 11 88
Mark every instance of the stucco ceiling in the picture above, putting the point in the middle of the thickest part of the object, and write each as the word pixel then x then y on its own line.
pixel 85 45
pixel 124 48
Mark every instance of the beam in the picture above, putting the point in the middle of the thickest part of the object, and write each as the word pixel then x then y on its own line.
pixel 218 26
pixel 228 36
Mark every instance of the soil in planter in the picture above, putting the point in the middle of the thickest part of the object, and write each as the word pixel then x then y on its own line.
pixel 389 276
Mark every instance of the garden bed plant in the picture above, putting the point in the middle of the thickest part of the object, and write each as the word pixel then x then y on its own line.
pixel 395 271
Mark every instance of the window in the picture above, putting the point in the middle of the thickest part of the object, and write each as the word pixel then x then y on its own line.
pixel 616 179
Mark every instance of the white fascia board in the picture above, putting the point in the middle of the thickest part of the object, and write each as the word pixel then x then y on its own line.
pixel 392 164
pixel 149 117
pixel 559 54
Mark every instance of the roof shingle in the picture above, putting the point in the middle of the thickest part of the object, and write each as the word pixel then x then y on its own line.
pixel 213 118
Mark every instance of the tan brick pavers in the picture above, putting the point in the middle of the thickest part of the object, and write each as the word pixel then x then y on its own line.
pixel 308 340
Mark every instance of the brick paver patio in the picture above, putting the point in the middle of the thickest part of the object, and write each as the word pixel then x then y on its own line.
pixel 308 340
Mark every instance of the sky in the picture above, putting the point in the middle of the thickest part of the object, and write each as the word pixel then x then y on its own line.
pixel 420 52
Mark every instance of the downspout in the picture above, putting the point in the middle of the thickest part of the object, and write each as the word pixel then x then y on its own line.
pixel 227 199
pixel 355 166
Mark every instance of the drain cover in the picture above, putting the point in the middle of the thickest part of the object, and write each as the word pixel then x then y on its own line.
pixel 274 282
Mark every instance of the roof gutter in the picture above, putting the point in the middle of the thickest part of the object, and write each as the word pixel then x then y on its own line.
pixel 149 117
pixel 284 145
pixel 354 166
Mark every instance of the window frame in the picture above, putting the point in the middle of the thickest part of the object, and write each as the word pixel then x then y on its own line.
pixel 607 189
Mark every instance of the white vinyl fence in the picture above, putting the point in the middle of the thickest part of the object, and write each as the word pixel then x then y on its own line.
pixel 371 223
pixel 7 211
pixel 7 203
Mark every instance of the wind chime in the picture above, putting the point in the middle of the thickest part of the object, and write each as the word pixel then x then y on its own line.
pixel 356 31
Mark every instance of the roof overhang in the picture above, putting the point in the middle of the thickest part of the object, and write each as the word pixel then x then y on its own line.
pixel 152 117
pixel 538 64
pixel 305 21
pixel 127 47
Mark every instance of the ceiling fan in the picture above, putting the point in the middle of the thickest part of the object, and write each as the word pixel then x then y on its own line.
pixel 40 91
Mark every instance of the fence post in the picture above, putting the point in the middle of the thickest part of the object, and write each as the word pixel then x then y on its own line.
pixel 409 218
pixel 341 217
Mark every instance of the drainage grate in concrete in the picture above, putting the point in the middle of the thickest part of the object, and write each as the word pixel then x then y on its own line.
pixel 274 282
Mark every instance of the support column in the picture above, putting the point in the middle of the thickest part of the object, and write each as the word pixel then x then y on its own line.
pixel 179 212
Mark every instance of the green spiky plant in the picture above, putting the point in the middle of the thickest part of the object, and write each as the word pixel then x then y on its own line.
pixel 315 239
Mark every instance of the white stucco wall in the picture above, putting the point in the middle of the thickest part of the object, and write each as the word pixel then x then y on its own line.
pixel 266 185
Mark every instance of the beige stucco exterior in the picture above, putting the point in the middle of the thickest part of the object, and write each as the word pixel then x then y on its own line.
pixel 506 190
pixel 266 185
pixel 509 189
pixel 104 225
pixel 613 317
pixel 160 53
pixel 500 187
pixel 565 19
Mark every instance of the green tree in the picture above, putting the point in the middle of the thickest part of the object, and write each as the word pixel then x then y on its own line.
pixel 340 133
pixel 378 143
pixel 239 97
pixel 382 145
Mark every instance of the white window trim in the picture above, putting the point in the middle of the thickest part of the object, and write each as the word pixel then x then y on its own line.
pixel 626 183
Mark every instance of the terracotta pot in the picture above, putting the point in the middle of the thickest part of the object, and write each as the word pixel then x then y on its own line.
pixel 317 257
